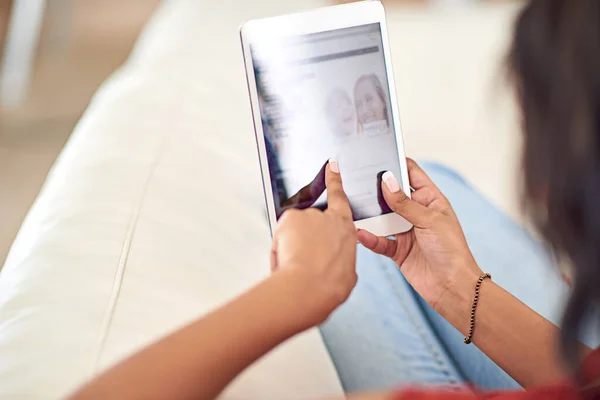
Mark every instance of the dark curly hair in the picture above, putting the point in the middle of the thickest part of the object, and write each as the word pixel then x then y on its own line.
pixel 555 66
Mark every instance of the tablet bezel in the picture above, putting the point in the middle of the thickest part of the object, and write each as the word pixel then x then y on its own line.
pixel 315 21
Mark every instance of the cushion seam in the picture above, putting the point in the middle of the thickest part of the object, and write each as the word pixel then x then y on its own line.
pixel 107 320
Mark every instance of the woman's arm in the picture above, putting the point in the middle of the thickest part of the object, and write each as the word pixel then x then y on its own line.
pixel 436 260
pixel 519 340
pixel 198 361
pixel 314 259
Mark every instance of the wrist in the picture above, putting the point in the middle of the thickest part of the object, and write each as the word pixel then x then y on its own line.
pixel 457 300
pixel 295 298
pixel 308 304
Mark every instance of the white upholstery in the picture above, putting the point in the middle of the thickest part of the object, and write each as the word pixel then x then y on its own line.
pixel 153 214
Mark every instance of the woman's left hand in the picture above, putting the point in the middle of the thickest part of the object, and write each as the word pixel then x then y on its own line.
pixel 317 249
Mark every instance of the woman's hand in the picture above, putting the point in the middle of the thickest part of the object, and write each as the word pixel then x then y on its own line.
pixel 436 260
pixel 434 255
pixel 317 250
pixel 314 259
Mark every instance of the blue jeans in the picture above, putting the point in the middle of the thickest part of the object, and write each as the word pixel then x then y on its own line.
pixel 386 336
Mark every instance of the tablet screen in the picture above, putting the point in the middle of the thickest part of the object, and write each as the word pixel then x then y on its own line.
pixel 325 95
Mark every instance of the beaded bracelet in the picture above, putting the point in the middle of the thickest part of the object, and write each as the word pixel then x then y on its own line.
pixel 475 300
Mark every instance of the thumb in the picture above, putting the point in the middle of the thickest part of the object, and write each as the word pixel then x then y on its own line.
pixel 401 204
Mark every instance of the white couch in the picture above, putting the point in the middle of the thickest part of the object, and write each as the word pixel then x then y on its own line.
pixel 153 214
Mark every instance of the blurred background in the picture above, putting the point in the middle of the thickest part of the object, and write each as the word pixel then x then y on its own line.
pixel 54 54
pixel 60 52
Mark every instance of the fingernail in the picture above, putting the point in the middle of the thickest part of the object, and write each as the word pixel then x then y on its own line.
pixel 334 166
pixel 390 182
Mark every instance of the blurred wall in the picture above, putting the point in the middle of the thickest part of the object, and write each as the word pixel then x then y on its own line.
pixel 81 43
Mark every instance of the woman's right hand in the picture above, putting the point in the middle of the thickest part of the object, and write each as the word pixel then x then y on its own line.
pixel 434 256
pixel 316 250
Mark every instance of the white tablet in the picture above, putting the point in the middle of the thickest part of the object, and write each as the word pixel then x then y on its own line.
pixel 321 86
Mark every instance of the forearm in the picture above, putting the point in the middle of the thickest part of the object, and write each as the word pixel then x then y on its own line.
pixel 519 340
pixel 198 361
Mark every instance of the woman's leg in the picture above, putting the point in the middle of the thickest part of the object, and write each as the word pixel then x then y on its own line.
pixel 380 338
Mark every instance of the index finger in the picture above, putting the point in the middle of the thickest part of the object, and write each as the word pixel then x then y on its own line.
pixel 337 201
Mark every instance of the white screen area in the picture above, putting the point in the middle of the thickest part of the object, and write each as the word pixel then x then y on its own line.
pixel 322 96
